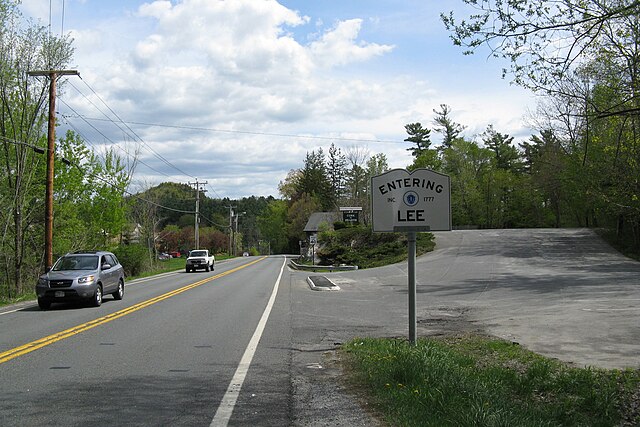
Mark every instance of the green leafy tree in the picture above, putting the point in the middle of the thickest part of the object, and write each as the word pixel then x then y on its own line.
pixel 272 224
pixel 543 40
pixel 467 164
pixel 545 162
pixel 24 47
pixel 297 216
pixel 506 155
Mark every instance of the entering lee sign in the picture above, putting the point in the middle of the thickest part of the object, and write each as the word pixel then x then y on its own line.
pixel 411 201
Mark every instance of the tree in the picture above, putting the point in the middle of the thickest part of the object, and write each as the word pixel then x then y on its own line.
pixel 23 47
pixel 424 156
pixel 506 155
pixel 336 171
pixel 445 126
pixel 356 180
pixel 418 135
pixel 545 163
pixel 467 164
pixel 297 216
pixel 288 186
pixel 543 40
pixel 272 224
pixel 314 180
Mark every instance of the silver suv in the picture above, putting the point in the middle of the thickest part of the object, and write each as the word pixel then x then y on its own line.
pixel 86 275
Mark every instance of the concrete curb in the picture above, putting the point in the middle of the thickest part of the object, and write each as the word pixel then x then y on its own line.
pixel 303 267
pixel 321 283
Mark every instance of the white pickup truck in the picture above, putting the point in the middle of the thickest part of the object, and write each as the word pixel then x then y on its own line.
pixel 200 258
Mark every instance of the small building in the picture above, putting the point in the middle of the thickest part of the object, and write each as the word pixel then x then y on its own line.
pixel 317 222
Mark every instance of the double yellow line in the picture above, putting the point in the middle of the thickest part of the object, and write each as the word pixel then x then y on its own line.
pixel 43 342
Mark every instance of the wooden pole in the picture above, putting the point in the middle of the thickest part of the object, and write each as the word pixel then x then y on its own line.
pixel 51 149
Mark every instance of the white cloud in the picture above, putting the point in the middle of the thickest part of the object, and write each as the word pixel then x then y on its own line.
pixel 254 73
pixel 339 46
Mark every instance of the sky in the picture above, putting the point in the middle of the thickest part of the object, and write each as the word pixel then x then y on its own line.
pixel 235 93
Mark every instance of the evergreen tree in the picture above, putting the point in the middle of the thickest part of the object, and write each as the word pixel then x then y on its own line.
pixel 445 126
pixel 314 180
pixel 419 136
pixel 336 171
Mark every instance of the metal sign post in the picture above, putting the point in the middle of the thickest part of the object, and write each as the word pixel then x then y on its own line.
pixel 411 273
pixel 411 202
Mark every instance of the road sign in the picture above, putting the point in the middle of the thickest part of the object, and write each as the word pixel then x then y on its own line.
pixel 404 201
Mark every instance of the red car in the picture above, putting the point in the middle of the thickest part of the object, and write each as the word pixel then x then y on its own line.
pixel 175 254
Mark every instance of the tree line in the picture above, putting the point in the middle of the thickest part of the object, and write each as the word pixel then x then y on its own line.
pixel 582 58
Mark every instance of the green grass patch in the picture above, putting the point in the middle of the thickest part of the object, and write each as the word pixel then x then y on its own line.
pixel 479 381
pixel 26 296
pixel 161 266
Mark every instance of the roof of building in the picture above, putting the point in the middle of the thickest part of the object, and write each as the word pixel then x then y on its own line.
pixel 318 218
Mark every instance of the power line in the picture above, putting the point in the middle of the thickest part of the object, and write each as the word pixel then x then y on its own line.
pixel 105 137
pixel 40 150
pixel 167 162
pixel 128 131
pixel 284 135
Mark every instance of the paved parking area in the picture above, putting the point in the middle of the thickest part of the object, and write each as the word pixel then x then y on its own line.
pixel 562 293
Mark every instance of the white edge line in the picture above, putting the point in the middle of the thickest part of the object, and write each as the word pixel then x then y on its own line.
pixel 228 403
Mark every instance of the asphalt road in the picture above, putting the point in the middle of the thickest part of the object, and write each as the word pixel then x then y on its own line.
pixel 164 355
pixel 173 357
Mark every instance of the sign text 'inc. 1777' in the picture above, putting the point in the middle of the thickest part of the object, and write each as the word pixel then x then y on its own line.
pixel 411 201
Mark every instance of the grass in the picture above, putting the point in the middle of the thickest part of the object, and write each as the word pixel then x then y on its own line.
pixel 478 381
pixel 26 296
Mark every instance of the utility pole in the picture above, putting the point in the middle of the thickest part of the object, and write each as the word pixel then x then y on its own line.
pixel 230 227
pixel 236 231
pixel 51 144
pixel 198 190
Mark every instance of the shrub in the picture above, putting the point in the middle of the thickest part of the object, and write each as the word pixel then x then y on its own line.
pixel 134 258
pixel 360 246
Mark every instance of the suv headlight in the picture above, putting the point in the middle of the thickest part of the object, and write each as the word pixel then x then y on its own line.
pixel 86 279
pixel 43 282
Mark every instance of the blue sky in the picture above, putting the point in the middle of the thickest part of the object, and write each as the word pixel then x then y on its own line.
pixel 235 93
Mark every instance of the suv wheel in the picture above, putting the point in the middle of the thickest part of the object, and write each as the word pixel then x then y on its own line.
pixel 44 304
pixel 120 292
pixel 97 297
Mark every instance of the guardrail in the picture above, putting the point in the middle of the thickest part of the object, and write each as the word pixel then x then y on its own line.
pixel 303 267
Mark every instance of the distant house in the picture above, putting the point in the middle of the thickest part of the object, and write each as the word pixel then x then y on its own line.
pixel 317 221
pixel 132 234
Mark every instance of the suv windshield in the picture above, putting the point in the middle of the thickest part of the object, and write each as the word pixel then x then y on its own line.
pixel 198 253
pixel 77 262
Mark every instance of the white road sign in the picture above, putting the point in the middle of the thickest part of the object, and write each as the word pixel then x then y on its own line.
pixel 411 201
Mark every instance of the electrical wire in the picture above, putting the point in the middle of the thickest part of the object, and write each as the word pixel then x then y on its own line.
pixel 117 146
pixel 96 176
pixel 128 131
pixel 159 156
pixel 284 135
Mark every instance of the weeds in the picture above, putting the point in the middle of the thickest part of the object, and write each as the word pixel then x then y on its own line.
pixel 479 381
